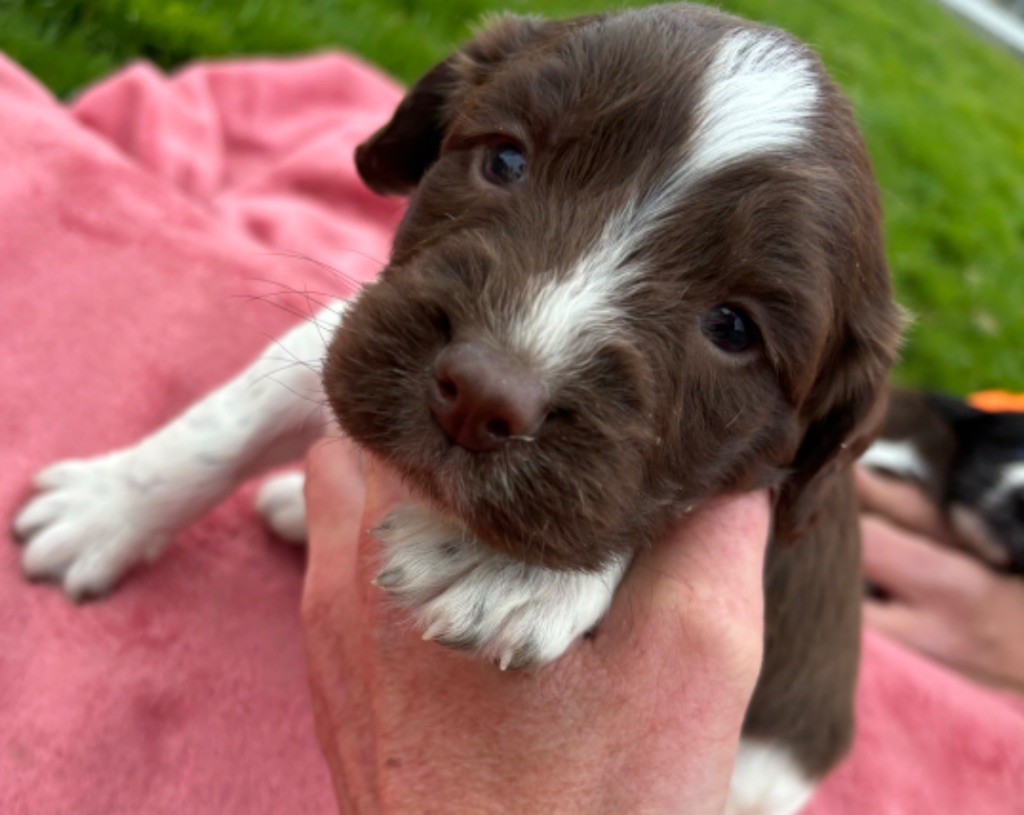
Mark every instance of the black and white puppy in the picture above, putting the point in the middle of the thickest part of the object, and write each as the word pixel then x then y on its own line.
pixel 970 461
pixel 642 264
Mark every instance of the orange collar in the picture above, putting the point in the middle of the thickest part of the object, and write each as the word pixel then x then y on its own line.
pixel 996 401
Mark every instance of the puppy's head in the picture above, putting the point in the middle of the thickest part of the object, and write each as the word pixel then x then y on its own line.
pixel 642 263
pixel 984 486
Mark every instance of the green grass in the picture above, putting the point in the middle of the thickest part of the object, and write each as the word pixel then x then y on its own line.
pixel 943 113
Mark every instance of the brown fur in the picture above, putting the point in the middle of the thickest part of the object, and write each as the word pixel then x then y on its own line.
pixel 657 419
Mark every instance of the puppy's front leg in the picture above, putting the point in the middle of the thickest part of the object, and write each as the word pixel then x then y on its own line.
pixel 469 596
pixel 92 519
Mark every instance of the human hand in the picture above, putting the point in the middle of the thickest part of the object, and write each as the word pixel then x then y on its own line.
pixel 643 717
pixel 942 602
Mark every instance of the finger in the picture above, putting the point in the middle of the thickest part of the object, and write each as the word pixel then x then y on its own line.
pixel 384 491
pixel 334 493
pixel 898 621
pixel 902 502
pixel 334 625
pixel 918 629
pixel 335 489
pixel 922 631
pixel 891 558
pixel 917 570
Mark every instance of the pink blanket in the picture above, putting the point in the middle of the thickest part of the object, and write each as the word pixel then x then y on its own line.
pixel 136 228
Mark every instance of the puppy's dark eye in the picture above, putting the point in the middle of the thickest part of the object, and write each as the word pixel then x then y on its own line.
pixel 731 329
pixel 504 164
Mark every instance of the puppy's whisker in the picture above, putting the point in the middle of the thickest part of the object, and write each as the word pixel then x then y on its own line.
pixel 327 267
pixel 313 367
pixel 304 292
pixel 312 317
pixel 271 374
pixel 304 397
pixel 267 298
pixel 314 364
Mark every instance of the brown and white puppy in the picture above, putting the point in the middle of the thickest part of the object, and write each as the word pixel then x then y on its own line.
pixel 642 264
pixel 970 461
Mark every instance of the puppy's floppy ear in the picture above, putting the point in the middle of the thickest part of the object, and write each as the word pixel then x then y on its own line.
pixel 393 160
pixel 845 410
pixel 953 410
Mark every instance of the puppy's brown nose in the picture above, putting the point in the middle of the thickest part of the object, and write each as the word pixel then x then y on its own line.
pixel 482 399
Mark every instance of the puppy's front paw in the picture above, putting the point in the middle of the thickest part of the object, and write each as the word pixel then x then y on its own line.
pixel 466 595
pixel 89 522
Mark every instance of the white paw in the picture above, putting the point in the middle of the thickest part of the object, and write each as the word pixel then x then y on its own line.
pixel 282 505
pixel 469 596
pixel 89 522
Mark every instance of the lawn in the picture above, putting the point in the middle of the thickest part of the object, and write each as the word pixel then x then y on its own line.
pixel 942 110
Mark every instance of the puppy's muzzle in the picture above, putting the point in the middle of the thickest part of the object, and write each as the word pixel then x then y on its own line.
pixel 483 399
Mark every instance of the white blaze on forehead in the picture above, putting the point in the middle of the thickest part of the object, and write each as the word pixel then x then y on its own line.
pixel 760 91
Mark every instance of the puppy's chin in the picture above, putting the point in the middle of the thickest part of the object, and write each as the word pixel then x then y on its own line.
pixel 521 500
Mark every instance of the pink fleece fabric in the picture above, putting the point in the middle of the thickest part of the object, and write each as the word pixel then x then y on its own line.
pixel 136 229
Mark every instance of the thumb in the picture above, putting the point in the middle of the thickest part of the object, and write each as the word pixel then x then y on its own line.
pixel 717 550
pixel 702 585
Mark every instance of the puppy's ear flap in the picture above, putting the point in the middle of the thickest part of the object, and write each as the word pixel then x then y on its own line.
pixel 954 411
pixel 393 160
pixel 846 409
